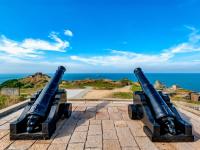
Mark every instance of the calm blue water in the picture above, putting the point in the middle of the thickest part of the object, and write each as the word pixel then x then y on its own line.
pixel 189 81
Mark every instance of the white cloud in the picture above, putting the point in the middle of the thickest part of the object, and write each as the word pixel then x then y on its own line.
pixel 20 55
pixel 68 33
pixel 30 47
pixel 165 58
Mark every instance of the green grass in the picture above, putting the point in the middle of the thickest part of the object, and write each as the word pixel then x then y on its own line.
pixel 28 91
pixel 179 99
pixel 122 95
pixel 182 90
pixel 96 84
pixel 136 87
pixel 6 101
pixel 14 83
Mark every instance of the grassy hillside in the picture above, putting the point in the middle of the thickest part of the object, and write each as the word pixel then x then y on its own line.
pixel 33 83
pixel 27 85
pixel 102 84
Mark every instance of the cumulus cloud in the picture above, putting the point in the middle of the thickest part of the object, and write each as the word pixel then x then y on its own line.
pixel 30 47
pixel 126 58
pixel 68 33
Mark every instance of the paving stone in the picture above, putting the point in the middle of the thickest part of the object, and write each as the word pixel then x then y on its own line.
pixel 99 109
pixel 39 146
pixel 125 137
pixel 112 110
pixel 136 128
pixel 95 122
pixel 91 109
pixel 102 116
pixel 21 145
pixel 145 144
pixel 81 128
pixel 94 141
pixel 3 133
pixel 57 147
pixel 108 125
pixel 78 137
pixel 109 135
pixel 64 134
pixel 131 148
pixel 61 139
pixel 165 146
pixel 3 122
pixel 81 108
pixel 60 132
pixel 125 116
pixel 89 115
pixel 5 142
pixel 111 145
pixel 83 122
pixel 115 116
pixel 49 141
pixel 5 126
pixel 125 133
pixel 120 123
pixel 93 148
pixel 76 146
pixel 95 130
pixel 122 109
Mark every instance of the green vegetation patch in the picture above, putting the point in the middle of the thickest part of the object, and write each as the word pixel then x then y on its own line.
pixel 14 83
pixel 136 87
pixel 101 84
pixel 184 100
pixel 6 101
pixel 122 95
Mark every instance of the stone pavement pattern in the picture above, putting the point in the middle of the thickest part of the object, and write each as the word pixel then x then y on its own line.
pixel 97 125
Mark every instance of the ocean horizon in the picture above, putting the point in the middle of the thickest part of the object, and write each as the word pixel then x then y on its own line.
pixel 190 81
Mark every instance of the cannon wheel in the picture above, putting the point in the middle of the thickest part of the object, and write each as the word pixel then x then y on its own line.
pixel 68 110
pixel 134 111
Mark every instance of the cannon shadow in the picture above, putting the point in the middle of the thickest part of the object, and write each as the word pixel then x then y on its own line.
pixel 195 133
pixel 76 119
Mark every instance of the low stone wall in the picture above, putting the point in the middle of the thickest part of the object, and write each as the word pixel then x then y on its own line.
pixel 195 97
pixel 10 91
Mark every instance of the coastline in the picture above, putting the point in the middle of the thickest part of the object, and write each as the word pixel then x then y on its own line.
pixel 190 81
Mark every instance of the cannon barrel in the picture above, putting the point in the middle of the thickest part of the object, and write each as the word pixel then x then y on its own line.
pixel 162 112
pixel 41 106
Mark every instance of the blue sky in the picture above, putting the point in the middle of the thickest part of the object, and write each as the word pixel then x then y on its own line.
pixel 99 36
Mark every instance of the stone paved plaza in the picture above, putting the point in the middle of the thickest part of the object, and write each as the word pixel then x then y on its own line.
pixel 96 125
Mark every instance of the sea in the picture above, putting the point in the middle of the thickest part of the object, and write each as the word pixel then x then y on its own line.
pixel 189 81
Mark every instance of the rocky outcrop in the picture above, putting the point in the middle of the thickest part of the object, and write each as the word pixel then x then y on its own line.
pixel 175 87
pixel 36 80
pixel 159 86
pixel 194 96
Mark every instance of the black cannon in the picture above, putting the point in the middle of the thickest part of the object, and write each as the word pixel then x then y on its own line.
pixel 38 119
pixel 162 122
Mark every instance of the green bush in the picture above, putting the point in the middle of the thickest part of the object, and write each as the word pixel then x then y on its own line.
pixel 14 83
pixel 29 85
pixel 126 82
pixel 123 95
pixel 22 97
pixel 136 87
pixel 3 100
